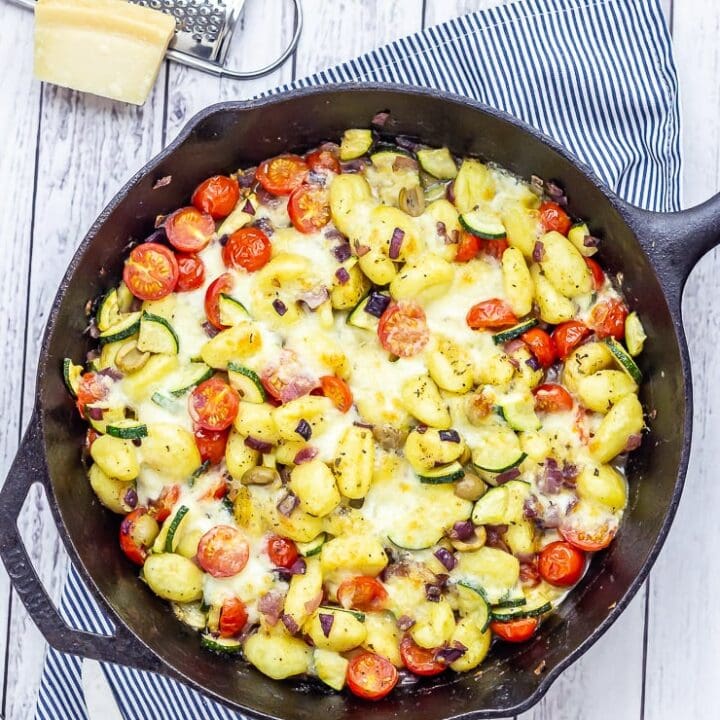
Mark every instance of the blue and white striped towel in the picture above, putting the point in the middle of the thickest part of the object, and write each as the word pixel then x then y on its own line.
pixel 597 75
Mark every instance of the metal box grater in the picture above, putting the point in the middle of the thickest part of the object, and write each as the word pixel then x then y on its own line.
pixel 203 32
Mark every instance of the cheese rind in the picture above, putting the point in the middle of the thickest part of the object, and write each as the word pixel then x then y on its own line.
pixel 110 48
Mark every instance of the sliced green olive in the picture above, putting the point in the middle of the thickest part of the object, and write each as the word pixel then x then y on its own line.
pixel 129 359
pixel 412 201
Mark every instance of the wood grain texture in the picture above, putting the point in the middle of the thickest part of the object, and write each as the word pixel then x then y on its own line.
pixel 681 678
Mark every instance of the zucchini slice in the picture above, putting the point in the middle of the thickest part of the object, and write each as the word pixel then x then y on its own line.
pixel 109 415
pixel 355 143
pixel 246 382
pixel 436 191
pixel 71 376
pixel 313 547
pixel 497 449
pixel 125 298
pixel 635 336
pixel 484 224
pixel 191 614
pixel 126 429
pixel 164 402
pixel 192 375
pixel 624 358
pixel 471 599
pixel 126 326
pixel 437 162
pixel 491 572
pixel 224 646
pixel 157 335
pixel 360 616
pixel 231 311
pixel 502 505
pixel 408 542
pixel 444 474
pixel 170 542
pixel 359 316
pixel 528 610
pixel 108 311
pixel 514 332
pixel 519 413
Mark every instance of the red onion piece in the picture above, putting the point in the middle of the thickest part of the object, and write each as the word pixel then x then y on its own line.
pixel 552 478
pixel 131 498
pixel 405 622
pixel 361 250
pixel 449 436
pixel 267 198
pixel 94 412
pixel 555 192
pixel 512 345
pixel 354 166
pixel 342 252
pixel 303 429
pixel 448 560
pixel 316 297
pixel 298 567
pixel 590 241
pixel 261 446
pixel 422 429
pixel 396 243
pixel 271 605
pixel 462 530
pixel 633 442
pixel 448 655
pixel 379 119
pixel 433 592
pixel 279 306
pixel 532 363
pixel 570 473
pixel 162 182
pixel 508 475
pixel 289 623
pixel 246 177
pixel 377 304
pixel 287 504
pixel 265 225
pixel 305 455
pixel 342 275
pixel 494 537
pixel 210 330
pixel 441 230
pixel 223 240
pixel 450 192
pixel 312 605
pixel 326 622
pixel 111 373
pixel 248 208
pixel 538 251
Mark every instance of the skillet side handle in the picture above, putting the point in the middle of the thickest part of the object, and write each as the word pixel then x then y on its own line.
pixel 677 241
pixel 28 468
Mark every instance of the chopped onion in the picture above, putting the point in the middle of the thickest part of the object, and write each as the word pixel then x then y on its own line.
pixel 552 478
pixel 326 622
pixel 289 623
pixel 633 442
pixel 354 166
pixel 450 192
pixel 494 539
pixel 130 497
pixel 532 363
pixel 396 243
pixel 261 446
pixel 279 306
pixel 449 436
pixel 265 225
pixel 448 655
pixel 512 345
pixel 441 230
pixel 367 426
pixel 334 234
pixel 433 592
pixel 112 373
pixel 246 177
pixel 462 530
pixel 271 605
pixel 342 275
pixel 422 429
pixel 590 241
pixel 405 622
pixel 538 251
pixel 316 297
pixel 287 504
pixel 555 192
pixel 448 560
pixel 407 143
pixel 312 605
pixel 342 252
pixel 361 250
pixel 298 567
pixel 303 429
pixel 377 304
pixel 569 473
pixel 162 182
pixel 267 198
pixel 508 475
pixel 305 455
pixel 94 413
pixel 248 208
pixel 379 119
pixel 210 330
pixel 223 239
pixel 531 508
pixel 316 178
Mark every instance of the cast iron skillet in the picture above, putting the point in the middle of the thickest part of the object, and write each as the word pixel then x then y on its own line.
pixel 652 255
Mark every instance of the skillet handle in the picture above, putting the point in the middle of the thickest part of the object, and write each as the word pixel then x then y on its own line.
pixel 677 241
pixel 28 468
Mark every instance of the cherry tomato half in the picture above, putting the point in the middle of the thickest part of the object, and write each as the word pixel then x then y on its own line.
pixel 233 617
pixel 515 631
pixel 371 676
pixel 161 508
pixel 282 552
pixel 403 329
pixel 282 174
pixel 541 345
pixel 191 272
pixel 568 335
pixel 492 313
pixel 495 248
pixel 587 533
pixel 138 531
pixel 189 230
pixel 287 379
pixel 598 275
pixel 552 398
pixel 220 286
pixel 607 319
pixel 151 271
pixel 323 160
pixel 213 404
pixel 362 593
pixel 309 208
pixel 468 247
pixel 553 217
pixel 338 391
pixel 216 196
pixel 561 563
pixel 211 444
pixel 247 248
pixel 223 551
pixel 419 660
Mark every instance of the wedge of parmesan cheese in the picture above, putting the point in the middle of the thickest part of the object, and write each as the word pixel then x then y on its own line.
pixel 107 47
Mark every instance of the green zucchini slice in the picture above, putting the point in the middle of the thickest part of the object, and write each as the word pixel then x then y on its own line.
pixel 170 542
pixel 635 336
pixel 486 225
pixel 624 359
pixel 497 449
pixel 471 599
pixel 247 382
pixel 108 311
pixel 157 335
pixel 191 614
pixel 313 547
pixel 502 505
pixel 515 331
pixel 231 311
pixel 127 429
pixel 126 326
pixel 192 375
pixel 360 318
pixel 444 474
pixel 507 613
pixel 355 143
pixel 437 162
pixel 71 376
pixel 224 646
pixel 519 413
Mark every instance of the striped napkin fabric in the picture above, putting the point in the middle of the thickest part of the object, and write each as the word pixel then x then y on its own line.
pixel 597 75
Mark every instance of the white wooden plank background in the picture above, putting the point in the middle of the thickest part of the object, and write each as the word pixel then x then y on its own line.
pixel 66 154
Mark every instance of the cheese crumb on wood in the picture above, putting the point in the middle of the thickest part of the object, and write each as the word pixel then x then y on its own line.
pixel 107 47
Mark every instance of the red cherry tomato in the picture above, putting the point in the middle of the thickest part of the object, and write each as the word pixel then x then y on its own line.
pixel 553 217
pixel 561 563
pixel 568 335
pixel 161 508
pixel 495 248
pixel 585 534
pixel 211 444
pixel 552 398
pixel 191 272
pixel 282 174
pixel 223 551
pixel 598 275
pixel 362 593
pixel 515 631
pixel 189 230
pixel 233 617
pixel 541 345
pixel 91 389
pixel 419 660
pixel 607 319
pixel 403 329
pixel 213 404
pixel 137 533
pixel 468 247
pixel 216 196
pixel 220 286
pixel 247 248
pixel 492 313
pixel 338 391
pixel 323 160
pixel 282 552
pixel 151 271
pixel 371 676
pixel 309 208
